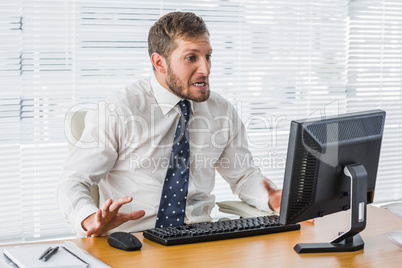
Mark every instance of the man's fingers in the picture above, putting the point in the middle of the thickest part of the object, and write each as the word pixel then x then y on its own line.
pixel 275 196
pixel 90 232
pixel 106 207
pixel 98 215
pixel 119 202
pixel 106 204
pixel 268 187
pixel 135 215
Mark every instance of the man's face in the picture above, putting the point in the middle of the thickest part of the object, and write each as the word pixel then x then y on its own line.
pixel 188 68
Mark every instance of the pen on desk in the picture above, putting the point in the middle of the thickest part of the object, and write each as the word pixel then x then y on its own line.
pixel 50 254
pixel 45 252
pixel 75 255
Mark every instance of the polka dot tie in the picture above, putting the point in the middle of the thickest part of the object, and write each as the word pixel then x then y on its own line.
pixel 174 193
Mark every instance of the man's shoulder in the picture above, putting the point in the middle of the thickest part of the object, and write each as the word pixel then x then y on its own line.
pixel 138 89
pixel 141 86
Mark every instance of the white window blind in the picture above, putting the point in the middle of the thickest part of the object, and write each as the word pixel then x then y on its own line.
pixel 10 99
pixel 374 80
pixel 274 60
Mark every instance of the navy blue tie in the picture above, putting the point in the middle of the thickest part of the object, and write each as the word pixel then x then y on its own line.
pixel 174 193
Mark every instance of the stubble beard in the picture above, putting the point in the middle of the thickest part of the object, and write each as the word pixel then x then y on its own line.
pixel 175 85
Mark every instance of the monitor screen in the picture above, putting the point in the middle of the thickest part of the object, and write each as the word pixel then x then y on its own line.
pixel 331 166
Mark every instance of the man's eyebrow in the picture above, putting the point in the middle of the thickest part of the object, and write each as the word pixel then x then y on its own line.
pixel 196 50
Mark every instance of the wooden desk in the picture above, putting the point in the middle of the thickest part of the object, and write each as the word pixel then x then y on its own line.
pixel 273 250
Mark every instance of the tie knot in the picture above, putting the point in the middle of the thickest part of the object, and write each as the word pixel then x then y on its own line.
pixel 185 108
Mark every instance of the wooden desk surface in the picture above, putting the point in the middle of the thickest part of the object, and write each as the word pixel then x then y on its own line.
pixel 267 250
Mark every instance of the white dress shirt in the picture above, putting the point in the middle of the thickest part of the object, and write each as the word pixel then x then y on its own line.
pixel 125 149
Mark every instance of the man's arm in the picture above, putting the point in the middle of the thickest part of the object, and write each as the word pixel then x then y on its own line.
pixel 92 159
pixel 244 178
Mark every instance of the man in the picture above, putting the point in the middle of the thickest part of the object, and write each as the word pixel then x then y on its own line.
pixel 133 133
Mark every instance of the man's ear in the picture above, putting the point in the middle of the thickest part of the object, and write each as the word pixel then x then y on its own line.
pixel 159 62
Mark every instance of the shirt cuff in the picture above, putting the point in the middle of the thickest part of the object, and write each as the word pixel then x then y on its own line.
pixel 263 205
pixel 82 214
pixel 255 194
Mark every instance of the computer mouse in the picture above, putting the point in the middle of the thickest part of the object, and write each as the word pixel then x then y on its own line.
pixel 124 241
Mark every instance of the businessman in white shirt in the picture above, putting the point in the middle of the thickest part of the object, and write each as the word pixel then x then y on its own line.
pixel 127 142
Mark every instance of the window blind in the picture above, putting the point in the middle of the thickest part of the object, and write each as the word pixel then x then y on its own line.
pixel 374 80
pixel 10 99
pixel 275 61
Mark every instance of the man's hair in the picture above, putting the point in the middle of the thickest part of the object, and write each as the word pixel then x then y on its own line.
pixel 162 35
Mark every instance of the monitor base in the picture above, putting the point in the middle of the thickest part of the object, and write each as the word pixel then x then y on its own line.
pixel 349 244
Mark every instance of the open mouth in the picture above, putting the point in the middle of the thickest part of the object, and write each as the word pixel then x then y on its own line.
pixel 199 84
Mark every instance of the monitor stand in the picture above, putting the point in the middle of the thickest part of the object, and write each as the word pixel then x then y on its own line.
pixel 350 240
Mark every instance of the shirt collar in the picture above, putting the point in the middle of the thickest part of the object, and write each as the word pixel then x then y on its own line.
pixel 165 99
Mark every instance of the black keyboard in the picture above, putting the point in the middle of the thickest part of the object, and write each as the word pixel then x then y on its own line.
pixel 211 231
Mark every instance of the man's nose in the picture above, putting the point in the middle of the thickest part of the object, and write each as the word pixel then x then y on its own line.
pixel 204 68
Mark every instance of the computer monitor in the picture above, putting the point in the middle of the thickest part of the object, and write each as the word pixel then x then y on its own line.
pixel 332 166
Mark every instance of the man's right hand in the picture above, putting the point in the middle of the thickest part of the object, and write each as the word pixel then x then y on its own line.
pixel 109 217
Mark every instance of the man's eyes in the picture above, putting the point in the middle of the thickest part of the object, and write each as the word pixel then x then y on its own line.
pixel 194 58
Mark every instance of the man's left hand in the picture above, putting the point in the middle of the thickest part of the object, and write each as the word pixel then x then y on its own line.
pixel 275 196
